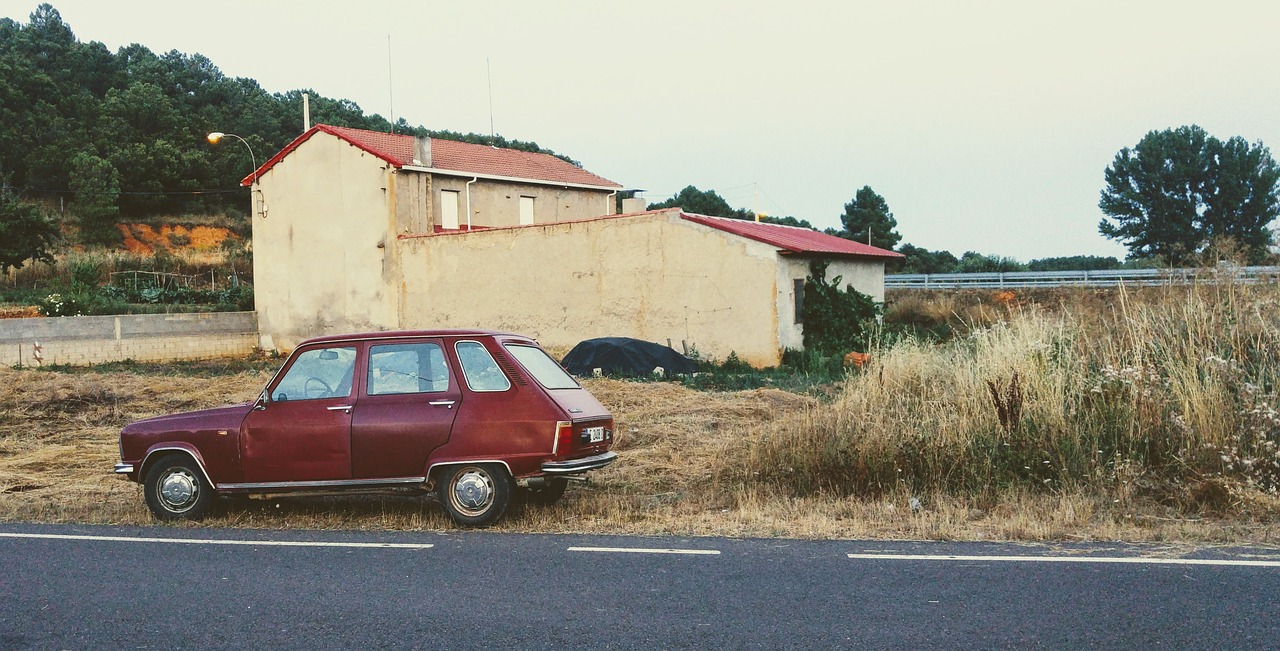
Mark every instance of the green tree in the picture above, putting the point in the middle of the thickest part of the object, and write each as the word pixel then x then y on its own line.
pixel 974 262
pixel 1074 263
pixel 95 187
pixel 1178 190
pixel 701 202
pixel 919 260
pixel 25 233
pixel 867 219
pixel 787 220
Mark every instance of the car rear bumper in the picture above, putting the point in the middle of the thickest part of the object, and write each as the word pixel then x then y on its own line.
pixel 124 468
pixel 574 466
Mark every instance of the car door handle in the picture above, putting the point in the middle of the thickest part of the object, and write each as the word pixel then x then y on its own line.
pixel 343 408
pixel 441 403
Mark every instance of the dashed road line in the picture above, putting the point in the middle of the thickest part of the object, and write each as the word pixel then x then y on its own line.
pixel 644 550
pixel 209 541
pixel 1129 560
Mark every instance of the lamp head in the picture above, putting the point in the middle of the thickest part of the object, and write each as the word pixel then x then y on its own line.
pixel 215 137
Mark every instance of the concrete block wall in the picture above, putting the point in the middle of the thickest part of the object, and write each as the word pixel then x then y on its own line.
pixel 80 340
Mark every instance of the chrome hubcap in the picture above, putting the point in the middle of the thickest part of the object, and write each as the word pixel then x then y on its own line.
pixel 472 491
pixel 178 490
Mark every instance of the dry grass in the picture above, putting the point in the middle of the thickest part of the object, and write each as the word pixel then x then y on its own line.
pixel 681 471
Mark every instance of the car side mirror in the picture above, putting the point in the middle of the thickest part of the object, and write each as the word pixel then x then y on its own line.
pixel 261 403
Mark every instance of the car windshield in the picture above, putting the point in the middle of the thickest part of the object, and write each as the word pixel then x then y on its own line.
pixel 540 365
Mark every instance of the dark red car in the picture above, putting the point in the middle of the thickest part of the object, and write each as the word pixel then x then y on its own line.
pixel 467 416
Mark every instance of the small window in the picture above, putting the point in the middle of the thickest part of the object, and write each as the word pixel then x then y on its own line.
pixel 540 365
pixel 449 209
pixel 407 368
pixel 526 211
pixel 798 288
pixel 318 373
pixel 478 367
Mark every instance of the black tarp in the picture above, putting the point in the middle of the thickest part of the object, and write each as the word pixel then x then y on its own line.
pixel 624 356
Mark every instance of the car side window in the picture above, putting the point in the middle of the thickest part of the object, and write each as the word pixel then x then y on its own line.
pixel 478 367
pixel 318 373
pixel 406 368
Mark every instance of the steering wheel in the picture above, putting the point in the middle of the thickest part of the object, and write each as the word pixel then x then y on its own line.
pixel 322 391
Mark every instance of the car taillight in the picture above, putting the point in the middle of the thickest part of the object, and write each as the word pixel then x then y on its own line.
pixel 564 435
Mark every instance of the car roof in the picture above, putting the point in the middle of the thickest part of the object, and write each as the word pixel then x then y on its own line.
pixel 408 334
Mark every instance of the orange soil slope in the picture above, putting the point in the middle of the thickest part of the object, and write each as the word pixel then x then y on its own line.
pixel 147 239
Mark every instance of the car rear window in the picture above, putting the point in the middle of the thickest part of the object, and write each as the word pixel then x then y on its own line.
pixel 545 370
pixel 478 367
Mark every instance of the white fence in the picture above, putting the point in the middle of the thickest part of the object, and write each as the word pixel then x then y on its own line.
pixel 1108 278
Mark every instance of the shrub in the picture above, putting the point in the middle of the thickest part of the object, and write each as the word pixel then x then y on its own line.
pixel 836 320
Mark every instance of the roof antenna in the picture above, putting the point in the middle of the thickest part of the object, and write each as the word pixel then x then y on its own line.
pixel 391 98
pixel 489 78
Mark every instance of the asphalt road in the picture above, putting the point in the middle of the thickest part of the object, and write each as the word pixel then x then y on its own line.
pixel 503 591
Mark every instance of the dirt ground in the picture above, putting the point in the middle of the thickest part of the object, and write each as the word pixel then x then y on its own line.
pixel 59 437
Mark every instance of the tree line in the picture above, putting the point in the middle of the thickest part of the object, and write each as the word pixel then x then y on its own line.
pixel 111 136
pixel 121 135
pixel 1179 197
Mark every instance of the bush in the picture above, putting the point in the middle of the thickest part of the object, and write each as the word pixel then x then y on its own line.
pixel 59 305
pixel 836 320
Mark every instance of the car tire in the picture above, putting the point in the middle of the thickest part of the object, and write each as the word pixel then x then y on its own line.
pixel 175 489
pixel 475 495
pixel 549 494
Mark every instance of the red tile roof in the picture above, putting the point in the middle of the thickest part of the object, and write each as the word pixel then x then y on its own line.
pixel 481 159
pixel 791 239
pixel 451 156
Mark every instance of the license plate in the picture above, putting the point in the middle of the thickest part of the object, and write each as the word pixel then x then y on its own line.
pixel 594 434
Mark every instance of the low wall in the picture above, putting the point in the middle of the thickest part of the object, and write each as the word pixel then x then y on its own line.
pixel 140 337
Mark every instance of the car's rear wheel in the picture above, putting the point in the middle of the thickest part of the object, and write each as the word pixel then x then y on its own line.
pixel 475 495
pixel 549 494
pixel 176 489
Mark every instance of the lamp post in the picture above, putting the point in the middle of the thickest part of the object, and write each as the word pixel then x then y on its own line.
pixel 215 138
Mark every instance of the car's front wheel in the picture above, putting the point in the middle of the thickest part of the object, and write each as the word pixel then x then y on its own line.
pixel 475 495
pixel 176 489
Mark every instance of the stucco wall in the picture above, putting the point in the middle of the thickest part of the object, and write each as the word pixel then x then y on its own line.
pixel 866 276
pixel 497 203
pixel 654 277
pixel 319 254
pixel 140 337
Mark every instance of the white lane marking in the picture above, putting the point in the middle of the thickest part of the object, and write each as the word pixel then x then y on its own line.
pixel 199 541
pixel 641 550
pixel 1069 559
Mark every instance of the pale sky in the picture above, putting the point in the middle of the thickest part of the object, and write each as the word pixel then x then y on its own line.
pixel 985 125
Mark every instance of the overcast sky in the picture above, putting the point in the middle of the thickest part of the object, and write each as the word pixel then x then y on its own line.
pixel 985 125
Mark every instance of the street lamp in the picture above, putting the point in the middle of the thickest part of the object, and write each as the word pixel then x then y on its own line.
pixel 216 137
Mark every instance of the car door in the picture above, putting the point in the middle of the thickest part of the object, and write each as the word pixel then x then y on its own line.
pixel 302 431
pixel 406 409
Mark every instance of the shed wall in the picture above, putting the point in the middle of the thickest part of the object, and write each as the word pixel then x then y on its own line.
pixel 654 277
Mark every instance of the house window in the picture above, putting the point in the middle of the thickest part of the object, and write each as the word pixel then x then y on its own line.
pixel 526 210
pixel 449 209
pixel 797 286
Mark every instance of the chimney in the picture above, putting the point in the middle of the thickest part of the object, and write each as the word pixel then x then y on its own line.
pixel 422 152
pixel 306 112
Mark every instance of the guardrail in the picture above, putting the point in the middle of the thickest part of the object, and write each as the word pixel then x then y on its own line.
pixel 1106 278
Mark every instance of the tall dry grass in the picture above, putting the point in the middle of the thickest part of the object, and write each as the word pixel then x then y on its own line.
pixel 1168 394
pixel 1155 412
